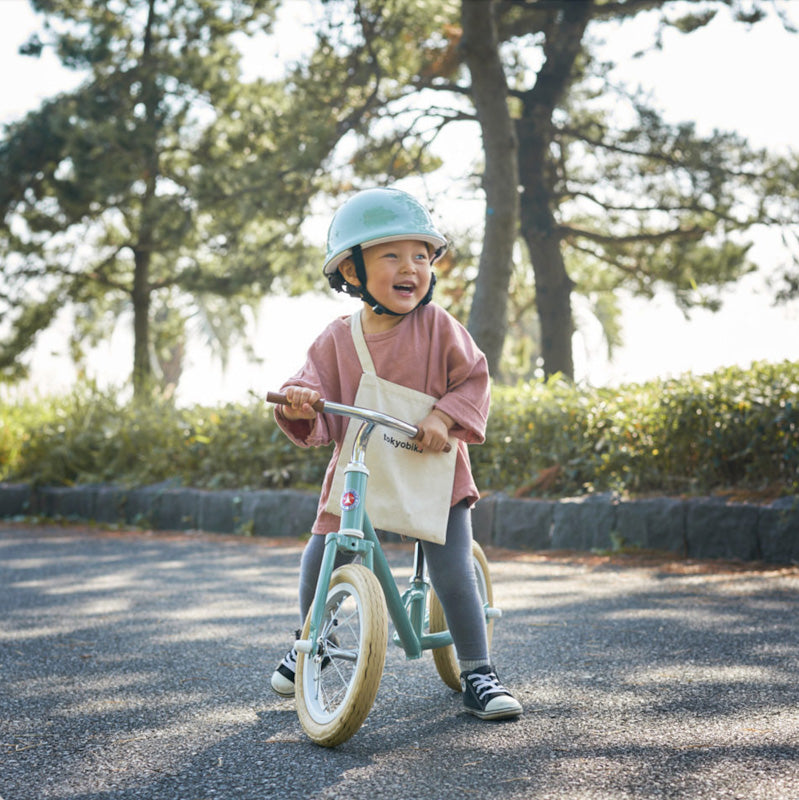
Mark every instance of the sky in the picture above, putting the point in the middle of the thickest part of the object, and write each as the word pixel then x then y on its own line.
pixel 740 86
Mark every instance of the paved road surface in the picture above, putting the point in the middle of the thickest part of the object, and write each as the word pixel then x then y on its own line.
pixel 135 666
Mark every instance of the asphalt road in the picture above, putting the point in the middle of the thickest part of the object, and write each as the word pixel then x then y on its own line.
pixel 135 666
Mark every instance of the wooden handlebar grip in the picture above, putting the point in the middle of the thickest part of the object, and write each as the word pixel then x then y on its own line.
pixel 282 400
pixel 418 438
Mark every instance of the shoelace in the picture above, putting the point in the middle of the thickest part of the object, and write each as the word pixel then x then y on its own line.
pixel 290 660
pixel 486 684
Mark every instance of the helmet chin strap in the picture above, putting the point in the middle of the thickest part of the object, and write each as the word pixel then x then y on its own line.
pixel 378 308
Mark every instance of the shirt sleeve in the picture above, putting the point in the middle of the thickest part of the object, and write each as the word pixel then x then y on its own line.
pixel 319 372
pixel 468 393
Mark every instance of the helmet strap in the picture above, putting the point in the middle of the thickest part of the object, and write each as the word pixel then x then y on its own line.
pixel 366 296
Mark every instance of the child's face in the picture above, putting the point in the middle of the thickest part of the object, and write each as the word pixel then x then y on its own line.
pixel 397 273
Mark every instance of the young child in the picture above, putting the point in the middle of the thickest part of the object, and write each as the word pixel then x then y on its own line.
pixel 381 247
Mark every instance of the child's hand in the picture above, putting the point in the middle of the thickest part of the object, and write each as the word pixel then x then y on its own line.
pixel 301 402
pixel 434 430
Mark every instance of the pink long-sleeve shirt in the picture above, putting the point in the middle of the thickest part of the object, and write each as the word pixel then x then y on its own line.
pixel 428 350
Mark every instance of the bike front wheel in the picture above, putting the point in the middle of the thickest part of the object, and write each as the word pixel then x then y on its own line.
pixel 336 684
pixel 445 659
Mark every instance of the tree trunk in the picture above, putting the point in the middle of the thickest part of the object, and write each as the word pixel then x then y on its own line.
pixel 142 252
pixel 553 289
pixel 142 370
pixel 535 130
pixel 488 319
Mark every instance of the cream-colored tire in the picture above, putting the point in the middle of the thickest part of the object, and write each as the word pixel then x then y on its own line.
pixel 336 685
pixel 445 658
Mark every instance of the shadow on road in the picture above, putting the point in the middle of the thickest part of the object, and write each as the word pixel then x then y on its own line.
pixel 136 665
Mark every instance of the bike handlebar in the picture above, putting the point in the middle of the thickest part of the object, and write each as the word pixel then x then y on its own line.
pixel 363 414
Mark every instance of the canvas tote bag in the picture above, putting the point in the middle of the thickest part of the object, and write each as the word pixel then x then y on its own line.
pixel 410 489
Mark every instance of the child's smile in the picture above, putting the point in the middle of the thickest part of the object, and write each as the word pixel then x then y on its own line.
pixel 405 289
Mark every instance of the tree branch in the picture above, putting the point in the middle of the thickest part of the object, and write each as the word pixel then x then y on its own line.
pixel 686 234
pixel 631 269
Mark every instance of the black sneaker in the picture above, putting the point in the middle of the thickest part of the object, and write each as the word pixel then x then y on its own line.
pixel 283 676
pixel 485 697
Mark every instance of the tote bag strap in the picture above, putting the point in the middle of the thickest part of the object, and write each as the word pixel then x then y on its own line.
pixel 367 365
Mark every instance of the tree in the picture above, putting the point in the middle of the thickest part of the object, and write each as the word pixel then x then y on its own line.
pixel 163 182
pixel 646 204
pixel 166 178
pixel 607 199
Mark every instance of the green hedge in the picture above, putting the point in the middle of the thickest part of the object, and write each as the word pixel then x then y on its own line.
pixel 88 437
pixel 733 430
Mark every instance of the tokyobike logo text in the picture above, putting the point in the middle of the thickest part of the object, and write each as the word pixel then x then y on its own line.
pixel 403 443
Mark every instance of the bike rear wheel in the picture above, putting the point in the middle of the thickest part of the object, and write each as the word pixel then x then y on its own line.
pixel 445 658
pixel 337 683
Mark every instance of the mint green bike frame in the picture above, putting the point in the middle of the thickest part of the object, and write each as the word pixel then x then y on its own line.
pixel 357 537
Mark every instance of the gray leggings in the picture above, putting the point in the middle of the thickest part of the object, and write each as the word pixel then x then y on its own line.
pixel 451 573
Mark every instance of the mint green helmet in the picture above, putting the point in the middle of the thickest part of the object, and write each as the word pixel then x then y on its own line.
pixel 375 216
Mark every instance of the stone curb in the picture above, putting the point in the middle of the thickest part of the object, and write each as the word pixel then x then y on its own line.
pixel 694 528
pixel 167 507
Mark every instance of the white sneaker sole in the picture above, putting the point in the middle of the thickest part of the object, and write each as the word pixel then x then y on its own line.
pixel 498 709
pixel 282 685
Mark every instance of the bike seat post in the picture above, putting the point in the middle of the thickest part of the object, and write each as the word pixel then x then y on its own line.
pixel 417 594
pixel 418 563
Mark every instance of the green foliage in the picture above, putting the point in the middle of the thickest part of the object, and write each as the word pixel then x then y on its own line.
pixel 88 437
pixel 734 430
pixel 163 183
pixel 170 185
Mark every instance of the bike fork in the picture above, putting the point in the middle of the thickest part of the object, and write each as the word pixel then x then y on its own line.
pixel 334 542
